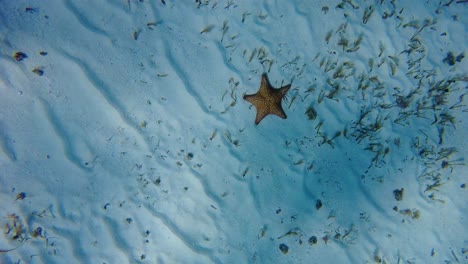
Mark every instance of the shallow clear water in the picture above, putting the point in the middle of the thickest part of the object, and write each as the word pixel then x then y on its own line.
pixel 124 136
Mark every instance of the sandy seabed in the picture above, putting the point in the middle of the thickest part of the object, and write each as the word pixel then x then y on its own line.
pixel 124 137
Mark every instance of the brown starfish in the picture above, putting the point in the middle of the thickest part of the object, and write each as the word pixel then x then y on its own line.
pixel 267 100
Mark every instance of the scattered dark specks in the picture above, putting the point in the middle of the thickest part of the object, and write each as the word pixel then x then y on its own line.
pixel 129 220
pixel 19 56
pixel 312 240
pixel 38 71
pixel 318 204
pixel 451 59
pixel 278 211
pixel 398 194
pixel 189 156
pixel 284 248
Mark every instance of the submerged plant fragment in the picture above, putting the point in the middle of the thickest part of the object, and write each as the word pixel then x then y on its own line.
pixel 367 14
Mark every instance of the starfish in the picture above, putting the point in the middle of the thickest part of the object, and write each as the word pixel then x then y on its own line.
pixel 267 100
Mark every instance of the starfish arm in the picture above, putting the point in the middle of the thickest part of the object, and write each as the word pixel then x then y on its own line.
pixel 267 100
pixel 260 115
pixel 249 97
pixel 254 99
pixel 265 82
pixel 265 86
pixel 278 110
pixel 283 90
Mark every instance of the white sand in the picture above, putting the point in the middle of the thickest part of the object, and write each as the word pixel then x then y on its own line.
pixel 135 145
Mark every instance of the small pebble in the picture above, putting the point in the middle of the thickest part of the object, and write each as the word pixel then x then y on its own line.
pixel 37 232
pixel 38 71
pixel 312 240
pixel 189 156
pixel 157 181
pixel 398 193
pixel 318 204
pixel 19 56
pixel 21 196
pixel 284 248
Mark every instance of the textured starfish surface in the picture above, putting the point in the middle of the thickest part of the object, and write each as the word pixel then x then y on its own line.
pixel 267 100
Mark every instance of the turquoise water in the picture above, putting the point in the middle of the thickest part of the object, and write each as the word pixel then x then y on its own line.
pixel 124 136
